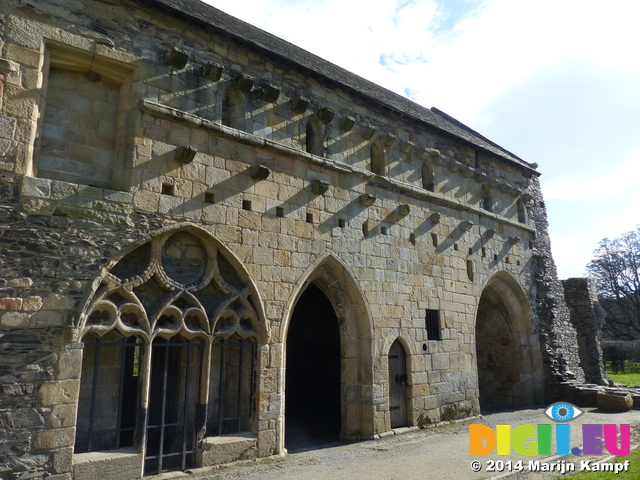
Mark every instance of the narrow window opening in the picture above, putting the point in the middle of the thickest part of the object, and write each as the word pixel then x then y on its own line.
pixel 507 260
pixel 484 252
pixel 279 212
pixel 209 197
pixel 412 238
pixel 432 325
pixel 427 177
pixel 455 247
pixel 342 223
pixel 495 257
pixel 522 215
pixel 246 205
pixel 315 137
pixel 470 269
pixel 383 230
pixel 365 228
pixel 378 159
pixel 167 189
pixel 309 217
pixel 434 239
pixel 470 251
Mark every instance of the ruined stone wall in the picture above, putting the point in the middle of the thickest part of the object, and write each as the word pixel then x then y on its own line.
pixel 558 337
pixel 587 316
pixel 174 125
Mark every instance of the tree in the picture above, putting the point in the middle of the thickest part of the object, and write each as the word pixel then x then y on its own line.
pixel 616 271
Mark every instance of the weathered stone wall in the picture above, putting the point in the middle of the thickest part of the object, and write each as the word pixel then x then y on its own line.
pixel 268 154
pixel 586 316
pixel 557 335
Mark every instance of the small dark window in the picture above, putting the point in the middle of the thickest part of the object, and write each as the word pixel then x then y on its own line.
pixel 209 197
pixel 383 230
pixel 309 217
pixel 412 238
pixel 455 247
pixel 167 189
pixel 342 223
pixel 432 324
pixel 246 205
pixel 365 228
pixel 279 212
pixel 434 239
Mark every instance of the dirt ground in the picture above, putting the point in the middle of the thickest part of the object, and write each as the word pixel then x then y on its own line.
pixel 440 453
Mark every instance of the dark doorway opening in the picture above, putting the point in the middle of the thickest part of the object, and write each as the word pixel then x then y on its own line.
pixel 312 410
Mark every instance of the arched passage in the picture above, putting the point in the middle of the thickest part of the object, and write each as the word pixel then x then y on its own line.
pixel 507 347
pixel 330 280
pixel 313 399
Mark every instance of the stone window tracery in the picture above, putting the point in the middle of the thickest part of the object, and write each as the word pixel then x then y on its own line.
pixel 179 300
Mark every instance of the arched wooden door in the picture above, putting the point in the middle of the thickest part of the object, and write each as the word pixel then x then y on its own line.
pixel 398 385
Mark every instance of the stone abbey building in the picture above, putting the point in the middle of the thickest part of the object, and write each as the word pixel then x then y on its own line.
pixel 213 243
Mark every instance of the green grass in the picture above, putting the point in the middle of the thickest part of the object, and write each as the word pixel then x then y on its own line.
pixel 632 474
pixel 631 376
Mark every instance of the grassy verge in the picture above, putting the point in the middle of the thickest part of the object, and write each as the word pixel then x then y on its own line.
pixel 631 376
pixel 632 474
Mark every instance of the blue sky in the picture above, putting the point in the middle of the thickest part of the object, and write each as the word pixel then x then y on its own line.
pixel 556 82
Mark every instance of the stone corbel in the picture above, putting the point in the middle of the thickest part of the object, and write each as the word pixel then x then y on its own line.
pixel 299 104
pixel 319 187
pixel 186 153
pixel 325 115
pixel 367 199
pixel 368 131
pixel 176 58
pixel 466 225
pixel 271 93
pixel 347 122
pixel 260 172
pixel 245 83
pixel 212 71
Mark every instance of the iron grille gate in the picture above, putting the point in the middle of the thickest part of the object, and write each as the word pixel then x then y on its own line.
pixel 232 410
pixel 174 391
pixel 107 421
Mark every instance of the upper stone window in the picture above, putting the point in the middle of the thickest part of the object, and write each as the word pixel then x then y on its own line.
pixel 78 138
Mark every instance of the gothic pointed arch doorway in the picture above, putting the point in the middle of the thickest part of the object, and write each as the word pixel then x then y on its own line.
pixel 508 353
pixel 313 399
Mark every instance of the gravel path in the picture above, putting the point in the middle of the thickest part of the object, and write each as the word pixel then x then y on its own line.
pixel 439 454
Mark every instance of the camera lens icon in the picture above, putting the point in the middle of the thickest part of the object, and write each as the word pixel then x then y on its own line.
pixel 563 412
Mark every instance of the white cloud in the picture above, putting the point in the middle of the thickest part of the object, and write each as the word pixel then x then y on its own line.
pixel 606 182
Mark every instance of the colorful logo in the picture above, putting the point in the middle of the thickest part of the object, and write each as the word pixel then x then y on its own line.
pixel 532 440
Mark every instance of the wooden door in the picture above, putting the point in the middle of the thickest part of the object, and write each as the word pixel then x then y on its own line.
pixel 398 385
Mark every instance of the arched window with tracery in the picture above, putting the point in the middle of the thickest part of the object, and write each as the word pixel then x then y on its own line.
pixel 168 315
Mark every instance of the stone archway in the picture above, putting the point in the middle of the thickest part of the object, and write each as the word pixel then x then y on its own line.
pixel 507 347
pixel 313 398
pixel 329 286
